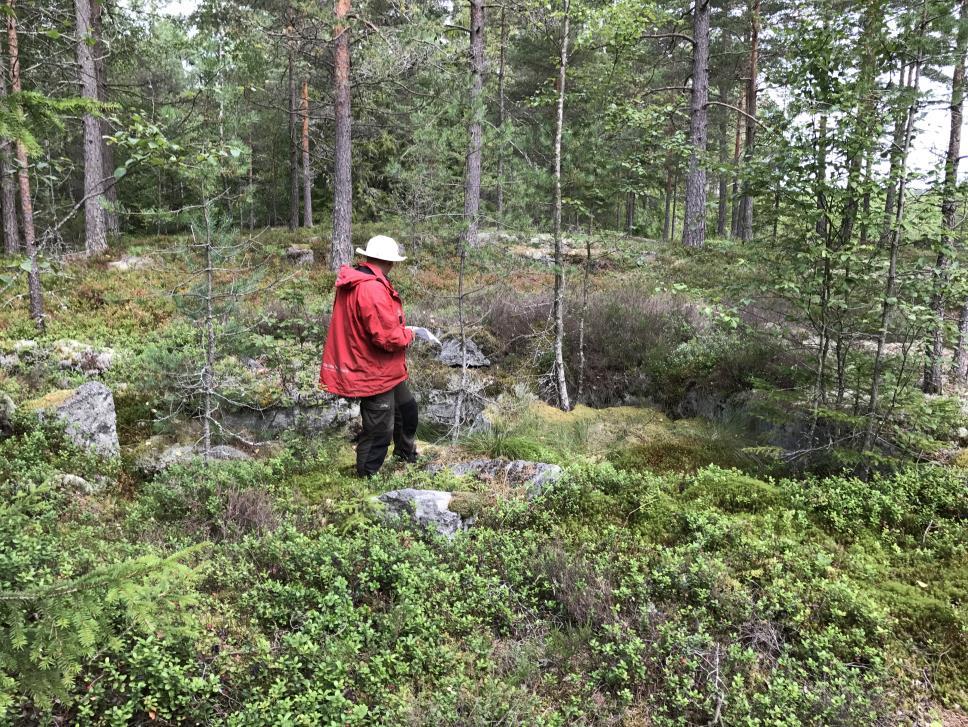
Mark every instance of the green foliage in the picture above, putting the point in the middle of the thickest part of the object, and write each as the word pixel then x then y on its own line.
pixel 62 598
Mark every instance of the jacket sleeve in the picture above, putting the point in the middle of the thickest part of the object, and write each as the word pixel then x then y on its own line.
pixel 382 320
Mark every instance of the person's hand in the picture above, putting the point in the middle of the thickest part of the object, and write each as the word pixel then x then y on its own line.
pixel 424 335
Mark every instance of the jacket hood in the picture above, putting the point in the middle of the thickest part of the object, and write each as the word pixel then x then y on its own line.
pixel 349 277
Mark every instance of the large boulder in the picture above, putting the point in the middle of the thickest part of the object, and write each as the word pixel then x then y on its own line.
pixel 451 355
pixel 437 406
pixel 88 415
pixel 7 410
pixel 155 455
pixel 78 485
pixel 535 477
pixel 131 262
pixel 307 418
pixel 300 256
pixel 427 508
pixel 76 356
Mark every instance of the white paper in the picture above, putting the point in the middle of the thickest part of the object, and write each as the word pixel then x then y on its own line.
pixel 424 334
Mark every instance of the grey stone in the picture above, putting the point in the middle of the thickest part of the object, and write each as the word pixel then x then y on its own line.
pixel 309 418
pixel 227 453
pixel 131 262
pixel 450 354
pixel 536 477
pixel 962 434
pixel 482 423
pixel 76 356
pixel 427 508
pixel 7 410
pixel 78 484
pixel 488 237
pixel 88 414
pixel 155 457
pixel 300 256
pixel 437 407
pixel 9 361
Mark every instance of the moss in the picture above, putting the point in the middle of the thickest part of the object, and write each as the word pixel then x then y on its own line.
pixel 732 491
pixel 961 459
pixel 467 504
pixel 48 401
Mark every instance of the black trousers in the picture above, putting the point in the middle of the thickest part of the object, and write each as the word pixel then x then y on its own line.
pixel 391 416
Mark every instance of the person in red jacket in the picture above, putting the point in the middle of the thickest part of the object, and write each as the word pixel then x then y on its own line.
pixel 365 356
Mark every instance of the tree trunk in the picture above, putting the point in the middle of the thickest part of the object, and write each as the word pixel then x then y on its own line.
pixel 8 187
pixel 629 211
pixel 694 224
pixel 667 217
pixel 35 293
pixel 472 172
pixel 961 359
pixel 341 251
pixel 95 225
pixel 890 288
pixel 746 204
pixel 737 147
pixel 342 247
pixel 111 219
pixel 584 311
pixel 949 205
pixel 208 372
pixel 675 204
pixel 500 118
pixel 294 144
pixel 822 220
pixel 561 384
pixel 722 197
pixel 307 170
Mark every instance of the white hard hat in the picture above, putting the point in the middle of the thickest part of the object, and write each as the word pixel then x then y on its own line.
pixel 382 247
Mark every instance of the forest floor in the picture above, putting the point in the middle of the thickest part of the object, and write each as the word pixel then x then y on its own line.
pixel 693 564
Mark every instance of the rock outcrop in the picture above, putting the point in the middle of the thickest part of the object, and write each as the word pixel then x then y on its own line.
pixel 7 410
pixel 427 508
pixel 300 256
pixel 131 262
pixel 450 354
pixel 535 477
pixel 156 456
pixel 88 414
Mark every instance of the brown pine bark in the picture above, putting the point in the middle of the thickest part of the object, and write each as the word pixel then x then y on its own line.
pixel 95 224
pixel 737 148
pixel 35 293
pixel 294 142
pixel 8 187
pixel 472 170
pixel 307 171
pixel 722 197
pixel 342 251
pixel 746 203
pixel 667 217
pixel 694 224
pixel 561 384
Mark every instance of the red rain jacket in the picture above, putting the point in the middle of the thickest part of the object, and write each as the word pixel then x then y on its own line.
pixel 365 351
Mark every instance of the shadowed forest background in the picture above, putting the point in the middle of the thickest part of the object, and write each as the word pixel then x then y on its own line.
pixel 694 449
